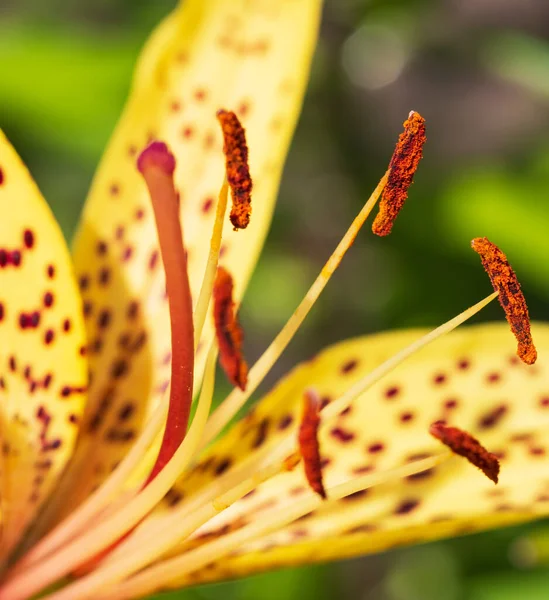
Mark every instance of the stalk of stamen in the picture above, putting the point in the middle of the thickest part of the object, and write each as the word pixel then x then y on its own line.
pixel 201 308
pixel 90 543
pixel 236 399
pixel 219 497
pixel 189 516
pixel 79 520
pixel 157 165
pixel 334 408
pixel 147 580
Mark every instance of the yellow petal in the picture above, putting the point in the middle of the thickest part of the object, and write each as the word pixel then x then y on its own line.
pixel 471 378
pixel 252 57
pixel 43 367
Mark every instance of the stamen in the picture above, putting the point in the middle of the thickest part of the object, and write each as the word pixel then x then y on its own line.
pixel 228 330
pixel 308 442
pixel 189 516
pixel 251 471
pixel 362 385
pixel 236 399
pixel 464 444
pixel 147 580
pixel 511 298
pixel 403 165
pixel 157 165
pixel 238 172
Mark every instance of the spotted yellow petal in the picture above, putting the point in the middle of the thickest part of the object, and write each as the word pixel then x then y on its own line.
pixel 43 368
pixel 249 56
pixel 471 378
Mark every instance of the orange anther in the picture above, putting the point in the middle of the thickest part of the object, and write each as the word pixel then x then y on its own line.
pixel 228 331
pixel 238 172
pixel 464 444
pixel 403 165
pixel 308 442
pixel 511 298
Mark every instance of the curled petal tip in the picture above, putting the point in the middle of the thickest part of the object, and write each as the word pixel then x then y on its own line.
pixel 156 154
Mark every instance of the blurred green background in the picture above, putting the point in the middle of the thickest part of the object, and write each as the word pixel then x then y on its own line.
pixel 478 70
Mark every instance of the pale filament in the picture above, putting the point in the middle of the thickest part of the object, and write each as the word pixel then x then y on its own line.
pixel 203 302
pixel 236 399
pixel 181 524
pixel 275 519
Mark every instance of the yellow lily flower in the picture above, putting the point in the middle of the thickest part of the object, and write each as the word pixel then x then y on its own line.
pixel 243 503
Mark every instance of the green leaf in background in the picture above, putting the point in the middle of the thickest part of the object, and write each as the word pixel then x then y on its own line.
pixel 66 88
pixel 310 583
pixel 510 586
pixel 484 202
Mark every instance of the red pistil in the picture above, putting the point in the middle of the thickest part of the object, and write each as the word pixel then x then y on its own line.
pixel 157 165
pixel 308 442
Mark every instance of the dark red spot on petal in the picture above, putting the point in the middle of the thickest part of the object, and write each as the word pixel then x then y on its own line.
pixel 207 205
pixel 84 282
pixel 28 238
pixel 406 416
pixel 285 422
pixel 392 392
pixel 376 447
pixel 406 506
pixel 187 132
pixel 349 366
pixel 101 248
pixel 492 418
pixel 223 466
pixel 450 404
pixel 104 319
pixel 104 276
pixel 342 435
